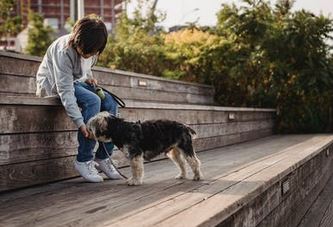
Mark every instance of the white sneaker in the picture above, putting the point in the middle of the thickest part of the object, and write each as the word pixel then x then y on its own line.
pixel 88 171
pixel 106 167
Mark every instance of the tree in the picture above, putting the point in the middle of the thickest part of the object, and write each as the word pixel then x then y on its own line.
pixel 136 46
pixel 10 25
pixel 39 36
pixel 277 58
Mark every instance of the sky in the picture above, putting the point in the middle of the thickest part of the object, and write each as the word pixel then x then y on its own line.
pixel 204 11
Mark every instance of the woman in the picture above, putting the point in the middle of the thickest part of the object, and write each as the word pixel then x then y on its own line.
pixel 66 72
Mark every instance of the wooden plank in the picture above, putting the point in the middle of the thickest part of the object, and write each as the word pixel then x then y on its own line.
pixel 160 96
pixel 15 100
pixel 125 84
pixel 41 146
pixel 9 66
pixel 210 130
pixel 305 183
pixel 12 58
pixel 327 220
pixel 192 116
pixel 145 76
pixel 187 116
pixel 233 110
pixel 22 119
pixel 28 100
pixel 37 172
pixel 201 144
pixel 151 83
pixel 223 203
pixel 28 68
pixel 97 204
pixel 20 148
pixel 17 84
pixel 26 85
pixel 316 212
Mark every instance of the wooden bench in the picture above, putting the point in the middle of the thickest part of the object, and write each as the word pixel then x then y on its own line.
pixel 38 140
pixel 18 74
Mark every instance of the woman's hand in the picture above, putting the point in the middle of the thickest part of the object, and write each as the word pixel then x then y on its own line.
pixel 91 81
pixel 84 131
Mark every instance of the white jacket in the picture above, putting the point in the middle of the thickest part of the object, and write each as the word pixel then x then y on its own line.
pixel 61 66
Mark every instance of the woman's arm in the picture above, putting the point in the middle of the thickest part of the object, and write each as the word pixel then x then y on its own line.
pixel 63 73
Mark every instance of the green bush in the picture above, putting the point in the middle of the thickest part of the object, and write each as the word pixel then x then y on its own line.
pixel 282 60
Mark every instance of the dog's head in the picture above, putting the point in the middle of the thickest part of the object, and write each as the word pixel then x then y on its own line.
pixel 100 126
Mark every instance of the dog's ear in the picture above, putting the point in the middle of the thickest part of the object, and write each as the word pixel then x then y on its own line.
pixel 113 124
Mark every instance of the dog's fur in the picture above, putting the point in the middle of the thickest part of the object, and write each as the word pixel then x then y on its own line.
pixel 146 140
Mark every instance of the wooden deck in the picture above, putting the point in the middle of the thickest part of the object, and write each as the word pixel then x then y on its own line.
pixel 231 174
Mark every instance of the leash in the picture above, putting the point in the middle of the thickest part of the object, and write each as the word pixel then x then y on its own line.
pixel 118 100
pixel 105 150
pixel 100 92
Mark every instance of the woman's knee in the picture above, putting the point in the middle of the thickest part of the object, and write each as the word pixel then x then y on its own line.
pixel 109 104
pixel 85 97
pixel 94 102
pixel 91 102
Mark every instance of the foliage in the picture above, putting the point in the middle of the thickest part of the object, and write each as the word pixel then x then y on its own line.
pixel 183 50
pixel 10 25
pixel 136 46
pixel 39 36
pixel 139 53
pixel 282 60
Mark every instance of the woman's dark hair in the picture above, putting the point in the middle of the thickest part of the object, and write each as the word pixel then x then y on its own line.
pixel 89 34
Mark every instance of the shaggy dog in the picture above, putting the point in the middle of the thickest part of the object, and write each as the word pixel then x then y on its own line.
pixel 146 140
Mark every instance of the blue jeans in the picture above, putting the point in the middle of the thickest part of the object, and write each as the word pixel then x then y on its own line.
pixel 91 104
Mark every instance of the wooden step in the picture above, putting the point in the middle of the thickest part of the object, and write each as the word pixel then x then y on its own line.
pixel 40 129
pixel 256 183
pixel 17 76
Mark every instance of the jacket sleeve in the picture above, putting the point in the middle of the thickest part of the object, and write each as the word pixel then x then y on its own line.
pixel 63 73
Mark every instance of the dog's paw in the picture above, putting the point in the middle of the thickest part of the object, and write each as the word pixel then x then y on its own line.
pixel 180 176
pixel 133 182
pixel 197 177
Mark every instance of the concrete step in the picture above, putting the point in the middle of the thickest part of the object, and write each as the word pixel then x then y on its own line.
pixel 18 72
pixel 40 129
pixel 257 183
